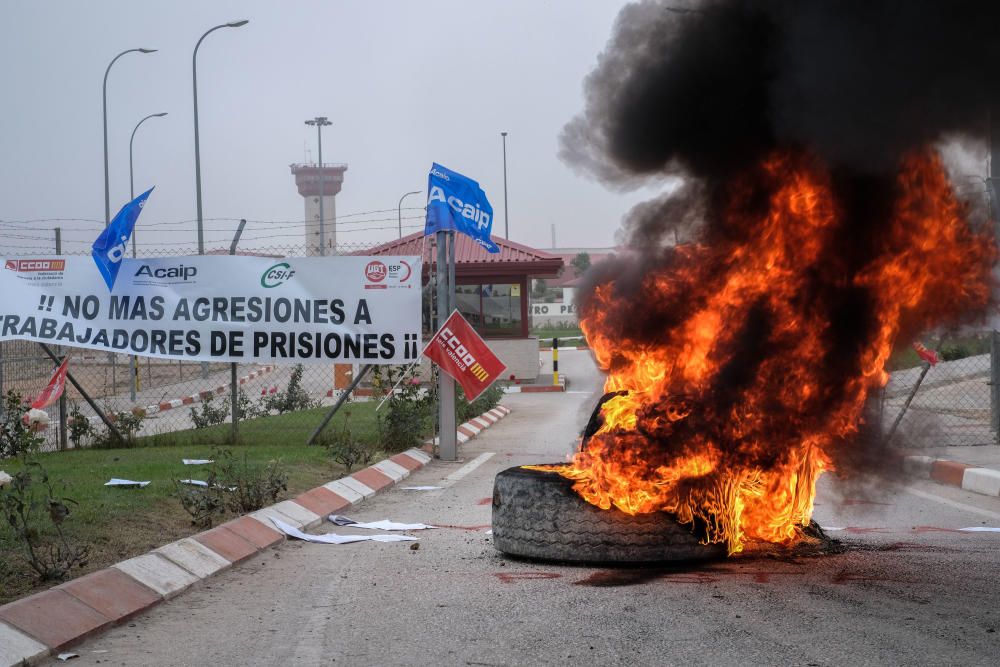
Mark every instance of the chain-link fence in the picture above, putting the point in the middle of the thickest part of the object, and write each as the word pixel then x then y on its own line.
pixel 946 404
pixel 179 397
pixel 949 403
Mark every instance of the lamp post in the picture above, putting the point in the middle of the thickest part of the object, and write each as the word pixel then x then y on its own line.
pixel 399 209
pixel 131 179
pixel 197 148
pixel 104 109
pixel 320 122
pixel 506 222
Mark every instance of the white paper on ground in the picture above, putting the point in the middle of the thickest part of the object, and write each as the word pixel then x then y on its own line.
pixel 980 529
pixel 331 538
pixel 384 524
pixel 193 482
pixel 196 462
pixel 63 657
pixel 114 481
pixel 420 488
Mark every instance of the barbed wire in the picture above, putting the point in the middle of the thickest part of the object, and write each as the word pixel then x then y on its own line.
pixel 6 222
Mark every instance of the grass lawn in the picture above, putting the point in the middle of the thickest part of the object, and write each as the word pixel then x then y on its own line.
pixel 950 349
pixel 545 336
pixel 119 523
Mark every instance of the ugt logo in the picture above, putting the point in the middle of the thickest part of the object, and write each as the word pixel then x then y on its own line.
pixel 376 271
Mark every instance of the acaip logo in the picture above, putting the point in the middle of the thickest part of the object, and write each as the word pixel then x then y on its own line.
pixel 276 275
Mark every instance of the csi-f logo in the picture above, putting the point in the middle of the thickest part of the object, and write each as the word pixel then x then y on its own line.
pixel 277 275
pixel 464 356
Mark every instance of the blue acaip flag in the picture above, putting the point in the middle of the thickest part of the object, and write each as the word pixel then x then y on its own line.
pixel 457 202
pixel 109 248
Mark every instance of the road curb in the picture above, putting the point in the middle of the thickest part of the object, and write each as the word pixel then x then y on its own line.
pixel 977 479
pixel 39 625
pixel 163 406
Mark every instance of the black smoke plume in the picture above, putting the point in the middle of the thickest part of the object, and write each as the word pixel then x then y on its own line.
pixel 708 91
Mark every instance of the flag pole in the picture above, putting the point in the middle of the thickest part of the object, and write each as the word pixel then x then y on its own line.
pixel 447 433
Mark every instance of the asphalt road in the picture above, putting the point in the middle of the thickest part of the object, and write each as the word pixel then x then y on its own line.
pixel 907 589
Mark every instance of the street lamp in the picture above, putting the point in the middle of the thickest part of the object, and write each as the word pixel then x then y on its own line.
pixel 506 222
pixel 320 122
pixel 131 180
pixel 197 149
pixel 104 108
pixel 399 209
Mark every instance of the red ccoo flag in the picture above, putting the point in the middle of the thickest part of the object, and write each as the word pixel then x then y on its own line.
pixel 928 355
pixel 463 355
pixel 52 392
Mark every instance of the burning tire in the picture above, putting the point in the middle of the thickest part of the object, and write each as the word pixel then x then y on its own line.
pixel 537 514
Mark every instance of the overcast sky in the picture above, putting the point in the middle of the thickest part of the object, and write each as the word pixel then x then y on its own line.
pixel 404 84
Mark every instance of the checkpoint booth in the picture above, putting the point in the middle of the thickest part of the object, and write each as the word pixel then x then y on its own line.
pixel 491 292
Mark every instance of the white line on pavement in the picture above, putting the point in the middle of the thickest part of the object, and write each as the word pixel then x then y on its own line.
pixel 953 503
pixel 466 469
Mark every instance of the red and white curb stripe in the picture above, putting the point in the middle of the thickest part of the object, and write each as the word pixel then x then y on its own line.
pixel 193 398
pixel 477 425
pixel 46 622
pixel 971 478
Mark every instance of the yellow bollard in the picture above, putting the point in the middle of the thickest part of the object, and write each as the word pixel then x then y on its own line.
pixel 555 362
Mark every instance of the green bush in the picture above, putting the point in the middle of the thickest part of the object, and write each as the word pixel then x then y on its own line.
pixel 408 412
pixel 81 430
pixel 293 397
pixel 235 485
pixel 486 401
pixel 209 415
pixel 35 514
pixel 16 439
pixel 347 449
pixel 127 424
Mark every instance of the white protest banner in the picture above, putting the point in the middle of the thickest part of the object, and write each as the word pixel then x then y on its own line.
pixel 220 308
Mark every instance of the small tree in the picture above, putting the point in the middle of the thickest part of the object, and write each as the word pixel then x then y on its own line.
pixel 539 289
pixel 581 263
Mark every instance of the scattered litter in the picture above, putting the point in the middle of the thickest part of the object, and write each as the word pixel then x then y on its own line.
pixel 125 482
pixel 384 524
pixel 63 657
pixel 332 538
pixel 198 482
pixel 980 529
pixel 196 462
pixel 489 532
pixel 414 546
pixel 5 479
pixel 420 488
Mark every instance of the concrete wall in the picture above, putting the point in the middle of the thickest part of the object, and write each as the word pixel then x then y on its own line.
pixel 520 355
pixel 553 314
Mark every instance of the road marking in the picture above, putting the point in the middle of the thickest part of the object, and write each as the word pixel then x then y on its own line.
pixel 466 469
pixel 953 503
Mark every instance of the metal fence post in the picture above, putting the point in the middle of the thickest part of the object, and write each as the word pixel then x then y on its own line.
pixel 995 382
pixel 233 386
pixel 447 430
pixel 62 352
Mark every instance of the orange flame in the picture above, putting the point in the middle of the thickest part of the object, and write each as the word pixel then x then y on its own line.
pixel 739 453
